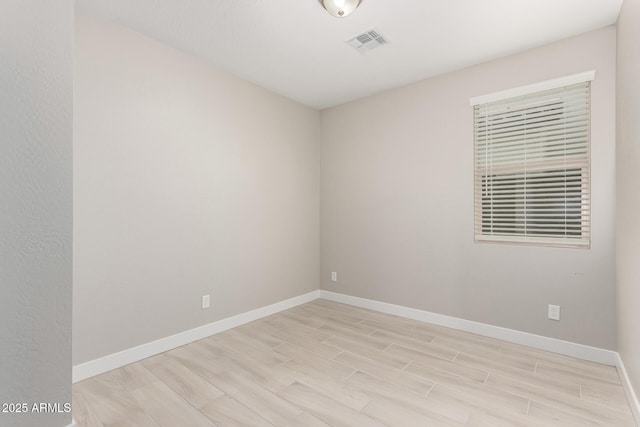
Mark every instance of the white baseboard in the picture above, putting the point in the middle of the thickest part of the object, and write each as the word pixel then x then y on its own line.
pixel 73 424
pixel 632 397
pixel 579 351
pixel 125 357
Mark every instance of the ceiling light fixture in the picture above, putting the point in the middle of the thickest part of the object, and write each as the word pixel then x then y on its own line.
pixel 340 8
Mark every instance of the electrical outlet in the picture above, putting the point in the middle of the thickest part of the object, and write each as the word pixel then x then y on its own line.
pixel 554 312
pixel 334 276
pixel 206 301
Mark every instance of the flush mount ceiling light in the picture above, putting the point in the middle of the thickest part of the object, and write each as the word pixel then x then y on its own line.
pixel 340 8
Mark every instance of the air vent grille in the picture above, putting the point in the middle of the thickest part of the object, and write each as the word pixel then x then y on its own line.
pixel 367 41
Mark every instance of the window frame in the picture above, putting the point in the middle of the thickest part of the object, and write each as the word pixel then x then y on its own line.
pixel 525 238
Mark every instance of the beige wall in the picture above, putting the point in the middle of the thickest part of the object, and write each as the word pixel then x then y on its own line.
pixel 36 128
pixel 397 203
pixel 628 189
pixel 187 181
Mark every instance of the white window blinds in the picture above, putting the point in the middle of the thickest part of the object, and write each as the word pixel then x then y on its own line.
pixel 532 180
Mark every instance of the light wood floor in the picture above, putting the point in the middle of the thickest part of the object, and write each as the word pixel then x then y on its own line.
pixel 325 363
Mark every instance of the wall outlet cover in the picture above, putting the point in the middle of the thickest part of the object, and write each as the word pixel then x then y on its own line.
pixel 554 312
pixel 206 301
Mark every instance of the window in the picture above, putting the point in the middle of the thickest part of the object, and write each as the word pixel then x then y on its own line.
pixel 531 164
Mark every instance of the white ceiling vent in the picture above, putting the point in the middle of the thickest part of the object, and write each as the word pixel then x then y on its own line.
pixel 367 41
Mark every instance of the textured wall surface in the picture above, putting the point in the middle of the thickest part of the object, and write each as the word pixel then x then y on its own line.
pixel 36 82
pixel 628 189
pixel 187 181
pixel 397 203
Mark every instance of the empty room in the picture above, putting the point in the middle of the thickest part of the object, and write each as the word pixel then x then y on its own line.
pixel 319 213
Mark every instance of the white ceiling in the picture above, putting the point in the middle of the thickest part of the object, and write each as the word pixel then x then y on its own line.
pixel 295 48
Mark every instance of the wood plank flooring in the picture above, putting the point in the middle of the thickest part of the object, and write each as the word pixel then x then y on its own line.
pixel 330 364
